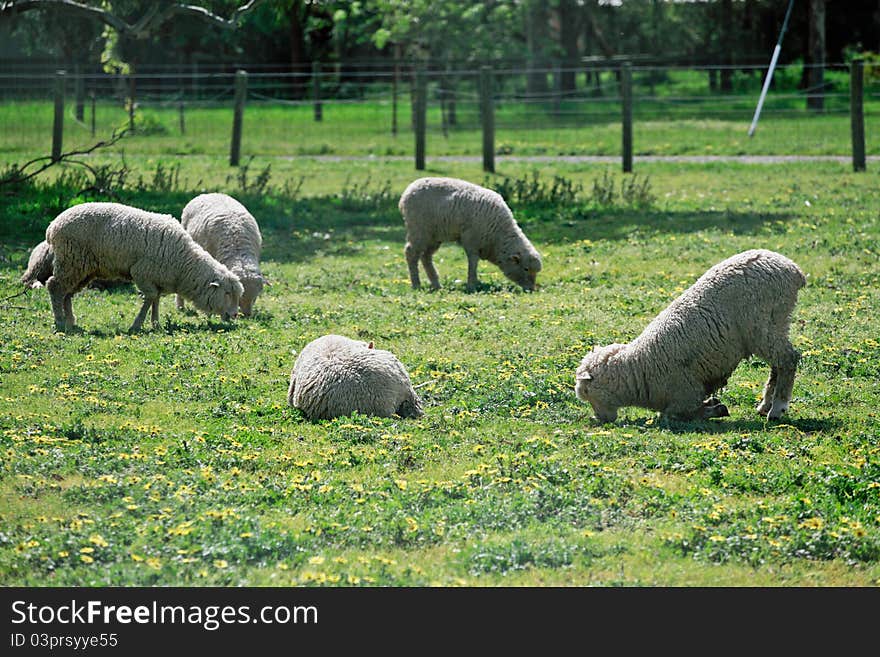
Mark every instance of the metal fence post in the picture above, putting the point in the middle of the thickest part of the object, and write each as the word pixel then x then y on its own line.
pixel 626 102
pixel 238 113
pixel 857 113
pixel 487 118
pixel 316 90
pixel 420 117
pixel 58 122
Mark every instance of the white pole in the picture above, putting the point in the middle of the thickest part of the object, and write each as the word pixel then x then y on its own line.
pixel 769 77
pixel 767 80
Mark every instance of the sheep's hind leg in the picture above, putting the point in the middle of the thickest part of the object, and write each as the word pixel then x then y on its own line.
pixel 179 302
pixel 61 304
pixel 412 261
pixel 428 264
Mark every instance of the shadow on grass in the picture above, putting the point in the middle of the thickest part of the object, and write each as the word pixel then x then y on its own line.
pixel 741 425
pixel 296 230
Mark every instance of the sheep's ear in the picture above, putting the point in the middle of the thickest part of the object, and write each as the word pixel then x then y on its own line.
pixel 370 345
pixel 214 284
pixel 584 377
pixel 266 281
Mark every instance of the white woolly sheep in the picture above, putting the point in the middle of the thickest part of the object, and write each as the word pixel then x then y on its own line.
pixel 153 251
pixel 738 308
pixel 437 210
pixel 39 267
pixel 334 376
pixel 226 230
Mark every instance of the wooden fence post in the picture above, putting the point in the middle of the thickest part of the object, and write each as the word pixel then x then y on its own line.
pixel 58 123
pixel 79 110
pixel 92 98
pixel 487 118
pixel 857 113
pixel 420 117
pixel 316 90
pixel 238 113
pixel 395 78
pixel 132 91
pixel 627 104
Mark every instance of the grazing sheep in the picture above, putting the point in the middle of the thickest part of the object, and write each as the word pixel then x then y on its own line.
pixel 39 270
pixel 437 210
pixel 39 267
pixel 335 376
pixel 226 230
pixel 740 307
pixel 118 242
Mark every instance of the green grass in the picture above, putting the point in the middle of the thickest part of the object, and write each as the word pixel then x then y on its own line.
pixel 172 457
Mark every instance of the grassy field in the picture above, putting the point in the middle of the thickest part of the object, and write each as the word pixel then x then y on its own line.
pixel 172 457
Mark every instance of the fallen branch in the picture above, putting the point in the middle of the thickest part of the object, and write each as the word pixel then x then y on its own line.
pixel 18 175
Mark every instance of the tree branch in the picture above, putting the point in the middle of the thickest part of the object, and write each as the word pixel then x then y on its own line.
pixel 18 173
pixel 144 26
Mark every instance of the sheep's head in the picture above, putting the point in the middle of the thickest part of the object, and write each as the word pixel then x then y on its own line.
pixel 522 268
pixel 592 382
pixel 253 287
pixel 223 296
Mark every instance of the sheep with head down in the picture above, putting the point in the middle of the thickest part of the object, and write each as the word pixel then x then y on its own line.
pixel 437 210
pixel 335 376
pixel 228 231
pixel 113 241
pixel 740 307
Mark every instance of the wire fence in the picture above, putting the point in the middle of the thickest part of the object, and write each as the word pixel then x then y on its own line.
pixel 369 110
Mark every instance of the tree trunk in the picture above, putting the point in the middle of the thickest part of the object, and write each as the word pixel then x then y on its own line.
pixel 727 46
pixel 298 61
pixel 568 37
pixel 537 24
pixel 816 75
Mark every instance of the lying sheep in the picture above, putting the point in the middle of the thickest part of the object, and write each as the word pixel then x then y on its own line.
pixel 226 230
pixel 740 307
pixel 115 241
pixel 437 210
pixel 334 376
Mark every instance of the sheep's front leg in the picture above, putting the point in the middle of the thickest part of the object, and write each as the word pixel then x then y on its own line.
pixel 472 280
pixel 769 388
pixel 141 316
pixel 786 366
pixel 179 302
pixel 154 316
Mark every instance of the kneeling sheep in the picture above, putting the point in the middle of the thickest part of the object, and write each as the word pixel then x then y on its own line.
pixel 334 376
pixel 740 307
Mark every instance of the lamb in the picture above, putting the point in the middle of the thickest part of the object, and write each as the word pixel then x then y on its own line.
pixel 740 307
pixel 334 376
pixel 153 251
pixel 226 230
pixel 437 210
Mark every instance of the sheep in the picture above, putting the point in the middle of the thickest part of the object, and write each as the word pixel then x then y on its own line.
pixel 39 267
pixel 39 270
pixel 226 230
pixel 740 307
pixel 437 210
pixel 153 251
pixel 334 376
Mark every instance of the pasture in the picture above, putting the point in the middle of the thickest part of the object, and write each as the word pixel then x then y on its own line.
pixel 171 457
